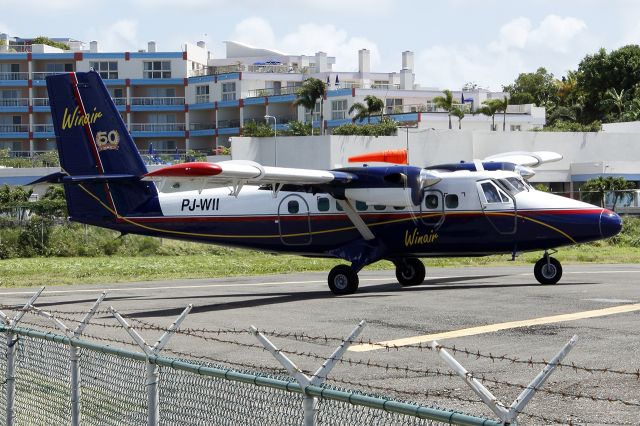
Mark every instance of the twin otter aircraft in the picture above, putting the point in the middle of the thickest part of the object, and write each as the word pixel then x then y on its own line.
pixel 359 214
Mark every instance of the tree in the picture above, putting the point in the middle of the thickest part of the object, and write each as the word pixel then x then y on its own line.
pixel 533 88
pixel 501 105
pixel 308 94
pixel 617 99
pixel 459 113
pixel 602 71
pixel 49 42
pixel 601 185
pixel 445 102
pixel 489 108
pixel 372 106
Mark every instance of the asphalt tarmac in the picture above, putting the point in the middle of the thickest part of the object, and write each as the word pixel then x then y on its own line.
pixel 500 314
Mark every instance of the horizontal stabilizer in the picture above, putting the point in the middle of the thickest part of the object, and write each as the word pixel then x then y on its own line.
pixel 62 177
pixel 52 178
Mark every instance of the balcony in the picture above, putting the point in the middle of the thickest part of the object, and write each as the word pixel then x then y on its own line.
pixel 120 101
pixel 202 99
pixel 157 127
pixel 226 124
pixel 14 102
pixel 42 75
pixel 43 128
pixel 202 126
pixel 40 102
pixel 14 128
pixel 157 101
pixel 12 76
pixel 273 91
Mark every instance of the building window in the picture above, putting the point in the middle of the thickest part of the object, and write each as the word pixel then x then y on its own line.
pixel 315 116
pixel 157 69
pixel 229 91
pixel 516 127
pixel 108 70
pixel 339 109
pixel 393 105
pixel 58 68
pixel 202 94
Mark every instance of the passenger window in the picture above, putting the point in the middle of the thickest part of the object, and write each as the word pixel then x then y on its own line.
pixel 451 201
pixel 361 206
pixel 431 201
pixel 398 207
pixel 323 204
pixel 293 206
pixel 379 207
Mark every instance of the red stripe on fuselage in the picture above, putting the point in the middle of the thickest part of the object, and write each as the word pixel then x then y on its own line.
pixel 365 216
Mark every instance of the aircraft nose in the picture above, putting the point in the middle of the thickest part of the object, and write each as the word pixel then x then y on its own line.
pixel 610 223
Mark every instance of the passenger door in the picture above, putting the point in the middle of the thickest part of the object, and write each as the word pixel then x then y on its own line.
pixel 294 221
pixel 498 206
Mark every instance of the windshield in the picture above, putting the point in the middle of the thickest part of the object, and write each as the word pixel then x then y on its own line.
pixel 514 185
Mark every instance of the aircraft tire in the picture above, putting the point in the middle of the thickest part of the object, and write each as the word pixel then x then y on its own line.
pixel 343 280
pixel 410 272
pixel 547 274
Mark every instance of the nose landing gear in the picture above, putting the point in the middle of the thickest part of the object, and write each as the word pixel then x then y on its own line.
pixel 547 270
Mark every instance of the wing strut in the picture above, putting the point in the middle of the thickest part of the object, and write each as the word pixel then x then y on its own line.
pixel 356 220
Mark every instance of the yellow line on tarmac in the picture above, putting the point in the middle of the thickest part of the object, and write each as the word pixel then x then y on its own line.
pixel 496 327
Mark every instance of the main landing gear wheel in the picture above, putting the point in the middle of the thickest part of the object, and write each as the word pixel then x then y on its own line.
pixel 547 270
pixel 410 271
pixel 343 280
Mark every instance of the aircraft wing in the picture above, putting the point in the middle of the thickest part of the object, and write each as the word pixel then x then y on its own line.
pixel 237 173
pixel 528 159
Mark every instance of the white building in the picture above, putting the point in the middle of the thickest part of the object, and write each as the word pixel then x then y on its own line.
pixel 176 101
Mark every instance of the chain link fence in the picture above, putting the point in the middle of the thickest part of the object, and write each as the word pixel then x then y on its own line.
pixel 114 391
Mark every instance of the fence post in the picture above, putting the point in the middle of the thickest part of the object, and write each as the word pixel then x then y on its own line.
pixel 309 403
pixel 508 415
pixel 153 374
pixel 74 353
pixel 12 341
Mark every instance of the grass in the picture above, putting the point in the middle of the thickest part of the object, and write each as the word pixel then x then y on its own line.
pixel 38 271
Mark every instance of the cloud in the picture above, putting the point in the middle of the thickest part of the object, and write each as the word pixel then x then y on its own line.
pixel 557 43
pixel 307 39
pixel 39 7
pixel 119 36
pixel 256 32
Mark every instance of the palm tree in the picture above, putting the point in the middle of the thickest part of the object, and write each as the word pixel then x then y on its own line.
pixel 457 112
pixel 502 106
pixel 616 98
pixel 308 94
pixel 601 185
pixel 445 102
pixel 489 108
pixel 374 106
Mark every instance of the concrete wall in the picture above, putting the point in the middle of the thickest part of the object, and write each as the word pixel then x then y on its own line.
pixel 586 155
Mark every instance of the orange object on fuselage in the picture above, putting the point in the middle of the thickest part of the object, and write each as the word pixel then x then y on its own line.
pixel 394 156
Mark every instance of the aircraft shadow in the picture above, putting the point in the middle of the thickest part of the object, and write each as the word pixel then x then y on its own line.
pixel 275 298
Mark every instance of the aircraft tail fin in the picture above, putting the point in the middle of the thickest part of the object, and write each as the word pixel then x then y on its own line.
pixel 94 143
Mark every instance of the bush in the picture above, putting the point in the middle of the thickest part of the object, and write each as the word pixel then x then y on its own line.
pixel 572 126
pixel 386 127
pixel 34 237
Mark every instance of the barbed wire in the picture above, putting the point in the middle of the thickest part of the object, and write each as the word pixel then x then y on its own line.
pixel 207 335
pixel 406 370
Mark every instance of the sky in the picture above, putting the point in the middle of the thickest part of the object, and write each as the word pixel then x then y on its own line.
pixel 486 42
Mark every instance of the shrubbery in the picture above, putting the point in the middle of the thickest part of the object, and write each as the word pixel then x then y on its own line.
pixel 386 127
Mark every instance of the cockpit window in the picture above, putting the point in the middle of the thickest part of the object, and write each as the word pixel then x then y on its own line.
pixel 517 183
pixel 492 194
